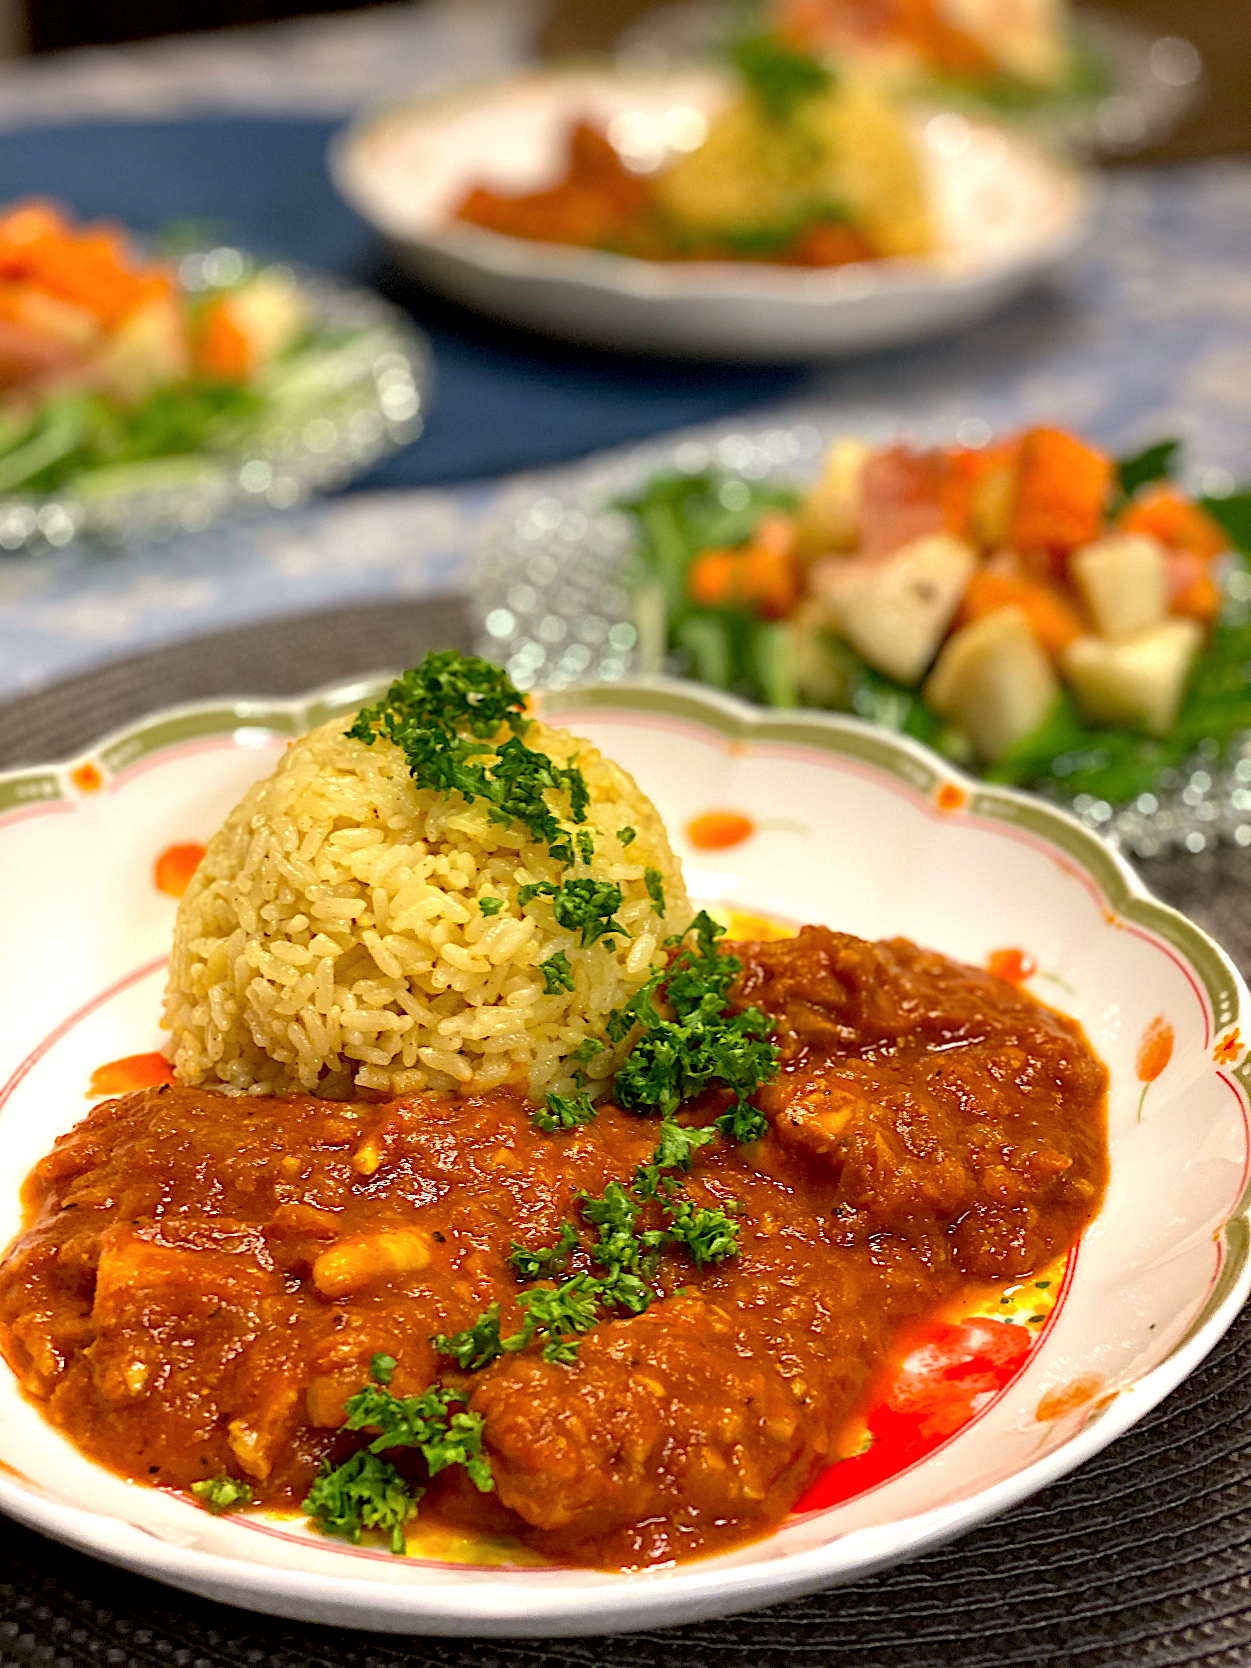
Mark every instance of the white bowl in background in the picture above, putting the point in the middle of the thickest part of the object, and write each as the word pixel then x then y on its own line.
pixel 1007 214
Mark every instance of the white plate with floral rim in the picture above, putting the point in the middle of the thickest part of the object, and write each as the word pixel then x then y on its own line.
pixel 815 818
pixel 1006 214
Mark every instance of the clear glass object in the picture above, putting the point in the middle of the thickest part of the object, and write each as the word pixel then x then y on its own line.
pixel 552 583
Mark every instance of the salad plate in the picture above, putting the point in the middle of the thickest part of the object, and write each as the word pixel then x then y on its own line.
pixel 879 837
pixel 354 384
pixel 1006 215
pixel 562 588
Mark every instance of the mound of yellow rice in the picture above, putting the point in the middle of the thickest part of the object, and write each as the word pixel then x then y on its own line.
pixel 333 939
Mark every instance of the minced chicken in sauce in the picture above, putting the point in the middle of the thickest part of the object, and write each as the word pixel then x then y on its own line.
pixel 206 1280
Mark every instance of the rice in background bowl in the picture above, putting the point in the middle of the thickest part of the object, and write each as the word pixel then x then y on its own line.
pixel 333 938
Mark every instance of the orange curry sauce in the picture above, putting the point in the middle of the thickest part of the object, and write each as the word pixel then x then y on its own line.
pixel 600 204
pixel 204 1279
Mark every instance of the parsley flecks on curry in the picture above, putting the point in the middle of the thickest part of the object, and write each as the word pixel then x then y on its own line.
pixel 620 1340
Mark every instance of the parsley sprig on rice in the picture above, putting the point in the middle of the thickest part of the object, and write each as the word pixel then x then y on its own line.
pixel 376 914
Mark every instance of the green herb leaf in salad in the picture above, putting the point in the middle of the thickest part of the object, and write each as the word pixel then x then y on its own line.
pixel 1155 463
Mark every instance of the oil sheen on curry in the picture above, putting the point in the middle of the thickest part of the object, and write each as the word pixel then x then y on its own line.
pixel 617 1335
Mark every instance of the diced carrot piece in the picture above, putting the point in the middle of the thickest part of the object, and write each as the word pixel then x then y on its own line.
pixel 710 578
pixel 1055 621
pixel 22 230
pixel 1191 589
pixel 221 348
pixel 957 489
pixel 1200 601
pixel 763 576
pixel 769 582
pixel 1175 520
pixel 976 490
pixel 91 268
pixel 1061 494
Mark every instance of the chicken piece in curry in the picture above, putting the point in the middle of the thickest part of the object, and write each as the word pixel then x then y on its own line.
pixel 621 1342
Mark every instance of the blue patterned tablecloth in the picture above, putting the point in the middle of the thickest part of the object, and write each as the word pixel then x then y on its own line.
pixel 1150 336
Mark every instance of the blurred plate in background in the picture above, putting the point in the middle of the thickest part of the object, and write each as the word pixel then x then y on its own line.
pixel 1131 89
pixel 357 390
pixel 1007 215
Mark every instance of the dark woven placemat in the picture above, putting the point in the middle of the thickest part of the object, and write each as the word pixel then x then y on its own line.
pixel 1142 1559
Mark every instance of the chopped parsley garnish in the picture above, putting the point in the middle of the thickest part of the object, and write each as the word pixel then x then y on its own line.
pixel 629 1259
pixel 367 1492
pixel 709 1233
pixel 619 1245
pixel 564 1112
pixel 449 691
pixel 583 905
pixel 222 1494
pixel 364 1492
pixel 778 77
pixel 426 712
pixel 557 1313
pixel 586 1050
pixel 627 836
pixel 560 1313
pixel 675 1150
pixel 476 1346
pixel 542 1262
pixel 586 844
pixel 702 1045
pixel 628 1256
pixel 443 1435
pixel 557 974
pixel 490 906
pixel 655 883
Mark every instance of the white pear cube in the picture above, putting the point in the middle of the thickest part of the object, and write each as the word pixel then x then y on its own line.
pixel 894 609
pixel 993 681
pixel 270 313
pixel 147 351
pixel 1123 580
pixel 1135 680
pixel 829 517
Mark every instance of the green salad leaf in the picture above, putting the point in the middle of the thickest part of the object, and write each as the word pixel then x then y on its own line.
pixel 1155 463
pixel 75 433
